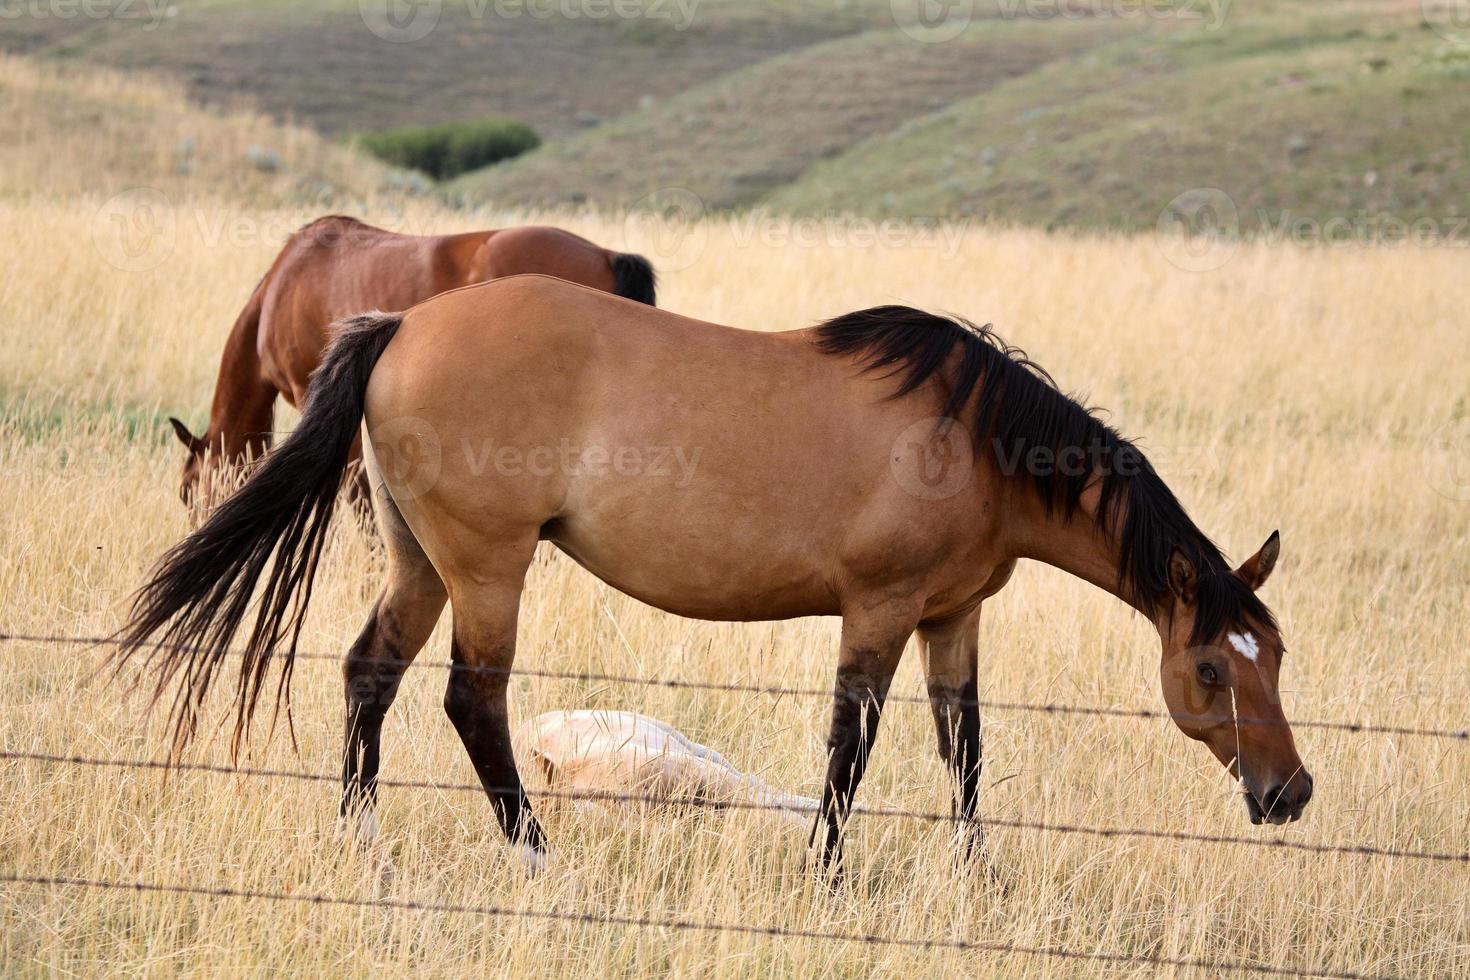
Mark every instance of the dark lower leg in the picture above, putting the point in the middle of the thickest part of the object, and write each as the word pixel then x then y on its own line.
pixel 950 667
pixel 957 723
pixel 862 684
pixel 476 703
pixel 373 670
pixel 399 626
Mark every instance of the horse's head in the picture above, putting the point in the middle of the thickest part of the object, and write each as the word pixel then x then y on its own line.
pixel 194 465
pixel 1221 687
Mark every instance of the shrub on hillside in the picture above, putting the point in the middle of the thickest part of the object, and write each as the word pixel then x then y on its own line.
pixel 450 149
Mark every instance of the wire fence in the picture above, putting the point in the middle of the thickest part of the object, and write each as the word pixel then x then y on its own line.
pixel 584 918
pixel 595 677
pixel 611 796
pixel 589 918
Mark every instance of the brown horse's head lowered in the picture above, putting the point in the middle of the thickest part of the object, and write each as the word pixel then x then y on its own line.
pixel 197 466
pixel 1220 669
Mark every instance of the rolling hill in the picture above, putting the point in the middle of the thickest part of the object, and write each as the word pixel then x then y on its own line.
pixel 1298 119
pixel 745 136
pixel 1298 111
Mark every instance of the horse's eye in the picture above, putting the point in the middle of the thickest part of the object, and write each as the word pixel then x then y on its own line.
pixel 1208 674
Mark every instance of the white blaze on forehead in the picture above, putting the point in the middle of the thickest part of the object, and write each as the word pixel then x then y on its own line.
pixel 1246 645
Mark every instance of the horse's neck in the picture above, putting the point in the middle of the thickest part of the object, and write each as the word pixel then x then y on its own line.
pixel 243 409
pixel 1080 546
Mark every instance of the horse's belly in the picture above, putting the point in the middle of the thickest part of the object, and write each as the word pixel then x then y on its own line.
pixel 693 573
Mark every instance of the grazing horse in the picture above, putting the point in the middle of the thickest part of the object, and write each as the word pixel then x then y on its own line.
pixel 337 266
pixel 625 752
pixel 889 467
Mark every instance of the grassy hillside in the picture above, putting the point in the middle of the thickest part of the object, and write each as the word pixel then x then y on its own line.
pixel 73 130
pixel 320 63
pixel 1315 116
pixel 744 136
pixel 1298 110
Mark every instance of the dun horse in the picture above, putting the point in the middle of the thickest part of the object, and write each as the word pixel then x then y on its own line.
pixel 337 266
pixel 889 467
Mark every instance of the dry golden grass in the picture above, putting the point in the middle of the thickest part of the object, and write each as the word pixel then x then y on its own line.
pixel 1305 390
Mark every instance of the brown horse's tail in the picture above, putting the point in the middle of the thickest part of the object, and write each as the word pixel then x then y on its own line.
pixel 633 277
pixel 200 591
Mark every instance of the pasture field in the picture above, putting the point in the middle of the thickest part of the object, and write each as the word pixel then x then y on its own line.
pixel 1320 391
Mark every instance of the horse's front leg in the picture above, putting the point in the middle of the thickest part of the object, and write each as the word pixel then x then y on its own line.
pixel 950 651
pixel 872 645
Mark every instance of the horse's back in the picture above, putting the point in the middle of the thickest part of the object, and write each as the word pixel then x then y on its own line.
pixel 332 268
pixel 545 251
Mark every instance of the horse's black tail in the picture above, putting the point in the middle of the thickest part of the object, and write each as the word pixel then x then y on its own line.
pixel 633 277
pixel 200 591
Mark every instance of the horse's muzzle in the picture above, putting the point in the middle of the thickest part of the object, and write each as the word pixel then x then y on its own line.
pixel 1280 803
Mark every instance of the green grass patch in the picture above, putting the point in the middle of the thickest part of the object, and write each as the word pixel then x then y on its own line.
pixel 446 150
pixel 28 419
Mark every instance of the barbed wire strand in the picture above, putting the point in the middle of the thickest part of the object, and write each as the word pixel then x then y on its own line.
pixel 1357 728
pixel 687 925
pixel 612 796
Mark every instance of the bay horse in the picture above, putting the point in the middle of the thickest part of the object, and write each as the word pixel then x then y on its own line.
pixel 336 266
pixel 889 467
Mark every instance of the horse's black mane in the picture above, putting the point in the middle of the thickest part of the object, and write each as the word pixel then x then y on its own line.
pixel 1019 409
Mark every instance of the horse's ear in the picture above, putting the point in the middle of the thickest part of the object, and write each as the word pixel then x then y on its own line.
pixel 1183 579
pixel 1257 568
pixel 191 442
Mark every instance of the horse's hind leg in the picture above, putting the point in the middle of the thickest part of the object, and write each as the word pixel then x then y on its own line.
pixel 483 653
pixel 950 668
pixel 397 629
